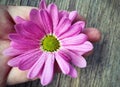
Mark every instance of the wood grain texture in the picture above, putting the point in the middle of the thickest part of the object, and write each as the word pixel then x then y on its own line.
pixel 103 68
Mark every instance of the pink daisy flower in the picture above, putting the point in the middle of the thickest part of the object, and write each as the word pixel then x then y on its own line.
pixel 48 41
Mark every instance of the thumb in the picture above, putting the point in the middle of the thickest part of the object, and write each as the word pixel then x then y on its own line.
pixel 3 63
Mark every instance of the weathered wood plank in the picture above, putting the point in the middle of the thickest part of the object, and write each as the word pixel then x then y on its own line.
pixel 103 66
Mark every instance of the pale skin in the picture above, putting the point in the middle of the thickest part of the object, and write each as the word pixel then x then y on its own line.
pixel 10 75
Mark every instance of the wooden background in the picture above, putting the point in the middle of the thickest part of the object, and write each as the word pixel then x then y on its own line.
pixel 103 68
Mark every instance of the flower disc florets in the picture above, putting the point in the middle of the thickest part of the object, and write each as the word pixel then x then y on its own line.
pixel 50 43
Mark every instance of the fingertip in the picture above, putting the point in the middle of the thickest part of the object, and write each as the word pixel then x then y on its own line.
pixel 14 76
pixel 88 53
pixel 21 11
pixel 80 18
pixel 94 35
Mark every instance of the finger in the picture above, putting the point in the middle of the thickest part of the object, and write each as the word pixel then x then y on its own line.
pixel 88 53
pixel 3 63
pixel 7 16
pixel 93 34
pixel 17 76
pixel 6 23
pixel 79 18
pixel 22 11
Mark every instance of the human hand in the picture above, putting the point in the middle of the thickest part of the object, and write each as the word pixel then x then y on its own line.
pixel 7 14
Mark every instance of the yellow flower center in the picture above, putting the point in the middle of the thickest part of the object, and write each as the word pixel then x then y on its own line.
pixel 50 43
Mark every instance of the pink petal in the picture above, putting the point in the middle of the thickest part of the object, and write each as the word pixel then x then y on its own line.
pixel 42 4
pixel 64 55
pixel 48 71
pixel 73 72
pixel 46 21
pixel 29 30
pixel 35 17
pixel 12 52
pixel 64 66
pixel 36 69
pixel 85 47
pixel 77 60
pixel 63 13
pixel 19 20
pixel 21 31
pixel 18 39
pixel 29 61
pixel 63 26
pixel 73 15
pixel 16 61
pixel 23 47
pixel 74 57
pixel 75 40
pixel 75 29
pixel 53 11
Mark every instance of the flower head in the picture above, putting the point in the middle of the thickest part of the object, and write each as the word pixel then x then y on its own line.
pixel 49 40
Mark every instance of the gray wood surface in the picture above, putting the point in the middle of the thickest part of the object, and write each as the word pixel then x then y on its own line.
pixel 103 68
